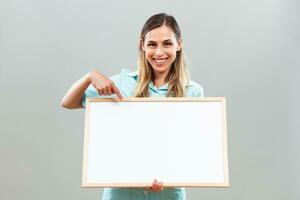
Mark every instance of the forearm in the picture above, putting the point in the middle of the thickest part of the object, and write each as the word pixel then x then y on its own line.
pixel 73 97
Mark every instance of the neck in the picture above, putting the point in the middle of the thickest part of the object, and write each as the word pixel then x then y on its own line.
pixel 159 79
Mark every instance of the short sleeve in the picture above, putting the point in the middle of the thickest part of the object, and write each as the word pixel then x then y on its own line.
pixel 195 90
pixel 91 92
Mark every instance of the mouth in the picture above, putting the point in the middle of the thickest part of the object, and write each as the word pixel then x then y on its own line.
pixel 160 61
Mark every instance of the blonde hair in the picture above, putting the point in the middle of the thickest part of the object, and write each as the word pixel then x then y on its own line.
pixel 178 76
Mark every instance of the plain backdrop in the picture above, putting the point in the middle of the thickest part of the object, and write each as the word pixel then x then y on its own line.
pixel 247 51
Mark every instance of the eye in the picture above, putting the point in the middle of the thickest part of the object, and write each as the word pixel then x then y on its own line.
pixel 151 44
pixel 168 44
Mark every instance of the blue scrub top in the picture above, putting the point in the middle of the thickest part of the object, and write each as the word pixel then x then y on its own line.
pixel 126 82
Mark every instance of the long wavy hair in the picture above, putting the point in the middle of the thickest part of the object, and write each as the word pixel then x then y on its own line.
pixel 178 76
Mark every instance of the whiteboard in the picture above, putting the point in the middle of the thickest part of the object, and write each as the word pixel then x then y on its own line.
pixel 180 141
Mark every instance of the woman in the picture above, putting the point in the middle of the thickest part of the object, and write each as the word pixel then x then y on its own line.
pixel 161 72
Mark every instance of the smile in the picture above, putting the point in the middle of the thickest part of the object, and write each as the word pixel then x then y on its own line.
pixel 160 61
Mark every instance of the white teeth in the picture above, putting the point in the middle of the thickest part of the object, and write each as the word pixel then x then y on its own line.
pixel 160 60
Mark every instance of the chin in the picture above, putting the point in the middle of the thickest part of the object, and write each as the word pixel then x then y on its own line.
pixel 161 69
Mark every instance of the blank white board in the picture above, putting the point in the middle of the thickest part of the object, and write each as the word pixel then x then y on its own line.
pixel 180 141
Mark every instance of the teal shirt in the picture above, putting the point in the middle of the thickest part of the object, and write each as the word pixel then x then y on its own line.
pixel 126 82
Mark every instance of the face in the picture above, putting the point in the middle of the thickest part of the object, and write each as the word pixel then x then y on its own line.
pixel 160 47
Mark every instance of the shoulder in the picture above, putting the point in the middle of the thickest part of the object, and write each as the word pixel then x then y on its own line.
pixel 125 74
pixel 194 90
pixel 129 73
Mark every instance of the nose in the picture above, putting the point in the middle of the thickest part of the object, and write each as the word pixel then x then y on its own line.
pixel 159 51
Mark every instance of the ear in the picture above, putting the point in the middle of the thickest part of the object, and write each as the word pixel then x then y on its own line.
pixel 142 45
pixel 179 47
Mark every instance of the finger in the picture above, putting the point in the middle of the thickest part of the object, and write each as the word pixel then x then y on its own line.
pixel 154 185
pixel 154 188
pixel 161 187
pixel 118 93
pixel 104 92
pixel 99 92
pixel 151 189
pixel 109 91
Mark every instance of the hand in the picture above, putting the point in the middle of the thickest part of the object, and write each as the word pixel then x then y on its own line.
pixel 156 186
pixel 103 85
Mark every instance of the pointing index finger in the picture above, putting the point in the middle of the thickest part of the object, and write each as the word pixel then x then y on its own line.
pixel 118 93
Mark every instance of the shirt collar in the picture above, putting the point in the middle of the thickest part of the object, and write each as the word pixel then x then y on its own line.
pixel 163 87
pixel 133 74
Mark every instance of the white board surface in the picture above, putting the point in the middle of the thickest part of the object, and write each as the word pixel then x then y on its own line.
pixel 180 141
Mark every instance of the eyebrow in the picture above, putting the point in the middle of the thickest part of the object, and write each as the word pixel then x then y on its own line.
pixel 167 40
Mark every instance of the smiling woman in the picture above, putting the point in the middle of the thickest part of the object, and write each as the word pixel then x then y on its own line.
pixel 160 47
pixel 161 57
pixel 161 72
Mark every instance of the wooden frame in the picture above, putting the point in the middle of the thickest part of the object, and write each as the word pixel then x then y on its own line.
pixel 90 146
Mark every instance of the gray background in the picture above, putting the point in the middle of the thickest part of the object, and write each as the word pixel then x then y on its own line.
pixel 247 51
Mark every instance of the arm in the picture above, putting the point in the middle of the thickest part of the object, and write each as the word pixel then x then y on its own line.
pixel 72 98
pixel 102 84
